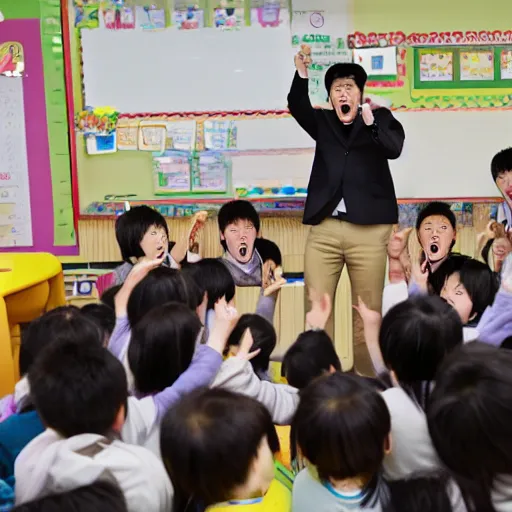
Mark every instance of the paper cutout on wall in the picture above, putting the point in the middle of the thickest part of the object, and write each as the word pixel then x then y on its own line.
pixel 15 214
pixel 150 17
pixel 188 17
pixel 506 65
pixel 152 136
pixel 477 65
pixel 101 144
pixel 181 135
pixel 210 173
pixel 436 66
pixel 220 135
pixel 171 172
pixel 128 134
pixel 12 59
pixel 97 121
pixel 228 14
pixel 87 14
pixel 119 18
pixel 267 13
pixel 377 61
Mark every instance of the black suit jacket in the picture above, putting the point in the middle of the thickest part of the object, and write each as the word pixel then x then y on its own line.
pixel 353 167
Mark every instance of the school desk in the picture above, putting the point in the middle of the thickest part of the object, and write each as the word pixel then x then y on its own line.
pixel 30 284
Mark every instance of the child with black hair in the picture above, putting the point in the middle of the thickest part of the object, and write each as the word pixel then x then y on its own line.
pixel 80 392
pixel 469 418
pixel 251 260
pixel 214 280
pixel 109 295
pixel 436 229
pixel 264 341
pixel 218 448
pixel 101 496
pixel 142 234
pixel 342 428
pixel 103 316
pixel 501 170
pixel 421 494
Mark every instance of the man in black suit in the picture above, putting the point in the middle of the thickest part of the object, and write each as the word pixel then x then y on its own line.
pixel 351 202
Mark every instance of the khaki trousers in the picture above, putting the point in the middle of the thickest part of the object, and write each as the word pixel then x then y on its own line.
pixel 332 244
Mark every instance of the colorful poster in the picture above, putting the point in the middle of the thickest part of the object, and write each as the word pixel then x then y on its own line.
pixel 181 135
pixel 128 135
pixel 477 65
pixel 506 65
pixel 313 28
pixel 15 214
pixel 220 135
pixel 229 15
pixel 268 13
pixel 12 59
pixel 188 17
pixel 210 173
pixel 152 136
pixel 436 66
pixel 87 13
pixel 377 61
pixel 150 17
pixel 172 172
pixel 119 18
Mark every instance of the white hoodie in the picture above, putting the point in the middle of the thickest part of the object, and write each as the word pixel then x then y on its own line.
pixel 51 464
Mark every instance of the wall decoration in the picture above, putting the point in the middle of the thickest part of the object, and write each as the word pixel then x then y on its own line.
pixel 152 136
pixel 128 134
pixel 181 135
pixel 451 70
pixel 171 171
pixel 97 121
pixel 228 14
pixel 119 17
pixel 12 59
pixel 381 62
pixel 210 173
pixel 267 13
pixel 188 17
pixel 87 13
pixel 220 135
pixel 506 64
pixel 436 66
pixel 477 65
pixel 150 17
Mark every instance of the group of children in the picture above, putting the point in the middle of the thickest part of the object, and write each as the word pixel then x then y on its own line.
pixel 160 397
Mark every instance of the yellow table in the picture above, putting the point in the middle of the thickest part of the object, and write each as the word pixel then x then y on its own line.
pixel 30 284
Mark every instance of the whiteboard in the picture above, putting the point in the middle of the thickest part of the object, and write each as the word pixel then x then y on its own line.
pixel 446 154
pixel 175 70
pixel 15 216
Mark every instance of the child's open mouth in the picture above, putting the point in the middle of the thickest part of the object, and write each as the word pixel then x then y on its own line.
pixel 242 250
pixel 160 251
pixel 509 192
pixel 434 248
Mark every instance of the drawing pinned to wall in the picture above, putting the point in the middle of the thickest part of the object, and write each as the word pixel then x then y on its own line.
pixel 187 16
pixel 87 13
pixel 229 14
pixel 152 136
pixel 97 121
pixel 181 135
pixel 477 65
pixel 119 16
pixel 171 171
pixel 377 61
pixel 210 173
pixel 12 59
pixel 150 17
pixel 436 66
pixel 15 212
pixel 506 64
pixel 267 13
pixel 2 17
pixel 220 135
pixel 127 135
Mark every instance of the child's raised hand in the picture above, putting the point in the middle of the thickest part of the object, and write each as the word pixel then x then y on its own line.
pixel 303 60
pixel 506 274
pixel 369 317
pixel 244 350
pixel 420 274
pixel 226 317
pixel 320 312
pixel 142 268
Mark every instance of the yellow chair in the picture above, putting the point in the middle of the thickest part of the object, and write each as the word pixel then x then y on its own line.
pixel 30 284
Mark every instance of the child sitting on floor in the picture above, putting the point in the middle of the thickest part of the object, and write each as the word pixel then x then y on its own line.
pixel 218 448
pixel 80 392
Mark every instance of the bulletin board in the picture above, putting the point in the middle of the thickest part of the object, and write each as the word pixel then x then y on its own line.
pixel 34 145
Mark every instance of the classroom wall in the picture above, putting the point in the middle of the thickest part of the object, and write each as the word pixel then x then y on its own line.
pixel 37 24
